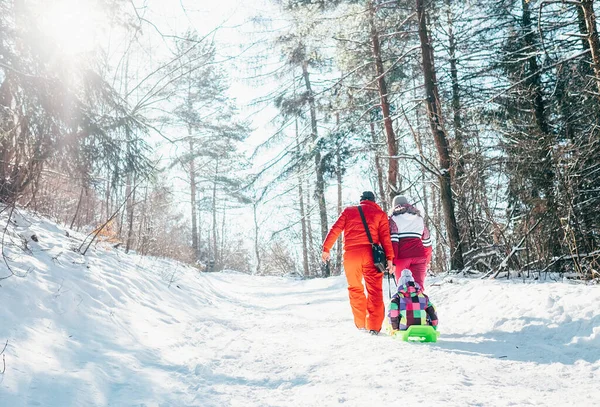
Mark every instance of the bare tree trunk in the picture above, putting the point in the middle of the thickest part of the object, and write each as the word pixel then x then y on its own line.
pixel 581 23
pixel 456 107
pixel 382 194
pixel 440 251
pixel 88 211
pixel 459 149
pixel 131 199
pixel 107 195
pixel 214 213
pixel 533 69
pixel 419 143
pixel 123 213
pixel 338 247
pixel 128 194
pixel 311 243
pixel 304 224
pixel 385 107
pixel 539 110
pixel 436 122
pixel 130 210
pixel 77 209
pixel 256 243
pixel 592 36
pixel 199 216
pixel 303 221
pixel 320 185
pixel 222 247
pixel 193 197
pixel 141 238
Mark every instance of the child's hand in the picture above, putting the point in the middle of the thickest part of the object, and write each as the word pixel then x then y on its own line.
pixel 394 332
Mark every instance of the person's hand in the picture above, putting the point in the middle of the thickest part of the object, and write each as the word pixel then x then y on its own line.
pixel 391 267
pixel 394 332
pixel 325 256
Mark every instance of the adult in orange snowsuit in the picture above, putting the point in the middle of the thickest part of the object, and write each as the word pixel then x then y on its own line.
pixel 368 310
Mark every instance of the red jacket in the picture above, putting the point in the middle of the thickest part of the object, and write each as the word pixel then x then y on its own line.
pixel 355 236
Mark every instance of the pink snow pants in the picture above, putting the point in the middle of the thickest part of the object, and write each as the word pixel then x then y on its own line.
pixel 418 266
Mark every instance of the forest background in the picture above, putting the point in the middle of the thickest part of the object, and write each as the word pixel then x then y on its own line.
pixel 230 135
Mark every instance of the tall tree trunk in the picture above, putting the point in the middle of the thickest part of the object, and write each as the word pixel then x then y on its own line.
pixel 592 36
pixel 222 247
pixel 6 119
pixel 385 107
pixel 130 210
pixel 256 243
pixel 339 250
pixel 338 159
pixel 107 195
pixel 311 243
pixel 456 115
pixel 419 143
pixel 305 248
pixel 192 174
pixel 320 185
pixel 199 216
pixel 459 148
pixel 534 83
pixel 440 250
pixel 382 194
pixel 436 122
pixel 77 209
pixel 89 209
pixel 141 243
pixel 123 213
pixel 582 24
pixel 214 213
pixel 130 197
pixel 303 221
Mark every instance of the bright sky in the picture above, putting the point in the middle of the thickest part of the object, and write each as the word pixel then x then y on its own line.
pixel 75 26
pixel 111 329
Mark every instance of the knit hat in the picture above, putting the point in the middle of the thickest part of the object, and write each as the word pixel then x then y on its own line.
pixel 367 196
pixel 399 200
pixel 405 277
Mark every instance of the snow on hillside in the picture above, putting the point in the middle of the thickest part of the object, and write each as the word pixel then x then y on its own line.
pixel 109 329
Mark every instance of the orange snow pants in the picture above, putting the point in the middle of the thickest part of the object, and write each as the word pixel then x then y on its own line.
pixel 368 310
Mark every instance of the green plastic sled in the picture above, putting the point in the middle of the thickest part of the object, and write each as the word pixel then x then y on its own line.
pixel 420 333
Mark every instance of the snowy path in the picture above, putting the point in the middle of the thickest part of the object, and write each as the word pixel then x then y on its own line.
pixel 115 330
pixel 297 343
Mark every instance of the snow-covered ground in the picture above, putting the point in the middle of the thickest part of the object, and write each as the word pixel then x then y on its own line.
pixel 109 329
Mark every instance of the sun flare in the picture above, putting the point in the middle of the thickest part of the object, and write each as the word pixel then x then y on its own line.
pixel 73 26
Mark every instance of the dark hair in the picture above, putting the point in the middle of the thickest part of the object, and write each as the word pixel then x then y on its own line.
pixel 367 196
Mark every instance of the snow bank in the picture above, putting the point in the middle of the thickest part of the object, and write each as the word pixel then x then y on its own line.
pixel 105 328
pixel 518 317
